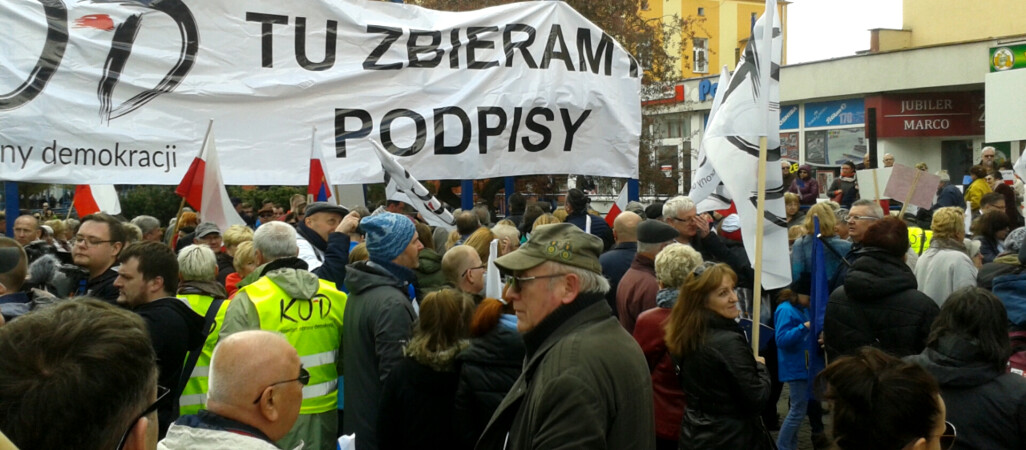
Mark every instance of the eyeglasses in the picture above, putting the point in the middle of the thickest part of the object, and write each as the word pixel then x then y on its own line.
pixel 698 271
pixel 515 283
pixel 89 241
pixel 947 440
pixel 481 267
pixel 678 219
pixel 854 218
pixel 304 379
pixel 161 393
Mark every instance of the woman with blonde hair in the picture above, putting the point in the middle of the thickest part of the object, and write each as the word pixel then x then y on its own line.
pixel 726 386
pixel 416 409
pixel 945 266
pixel 801 252
pixel 792 205
pixel 480 239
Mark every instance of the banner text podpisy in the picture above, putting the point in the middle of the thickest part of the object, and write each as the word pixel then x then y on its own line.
pixel 535 77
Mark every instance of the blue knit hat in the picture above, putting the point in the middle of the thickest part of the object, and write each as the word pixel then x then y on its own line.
pixel 388 234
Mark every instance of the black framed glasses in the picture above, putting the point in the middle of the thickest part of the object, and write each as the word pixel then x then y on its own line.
pixel 515 283
pixel 303 378
pixel 89 242
pixel 465 272
pixel 161 393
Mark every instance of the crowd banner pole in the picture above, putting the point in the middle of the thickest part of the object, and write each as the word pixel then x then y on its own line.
pixel 12 206
pixel 467 195
pixel 759 226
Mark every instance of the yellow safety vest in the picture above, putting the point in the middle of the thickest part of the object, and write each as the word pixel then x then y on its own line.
pixel 313 327
pixel 919 239
pixel 194 396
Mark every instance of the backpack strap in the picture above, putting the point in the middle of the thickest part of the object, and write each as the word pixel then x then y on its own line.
pixel 208 327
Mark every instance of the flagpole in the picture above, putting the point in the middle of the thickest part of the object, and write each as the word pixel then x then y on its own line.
pixel 181 206
pixel 759 227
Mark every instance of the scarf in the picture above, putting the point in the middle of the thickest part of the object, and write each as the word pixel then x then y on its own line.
pixel 311 236
pixel 667 297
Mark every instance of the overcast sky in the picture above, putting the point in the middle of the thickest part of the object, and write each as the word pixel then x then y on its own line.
pixel 824 29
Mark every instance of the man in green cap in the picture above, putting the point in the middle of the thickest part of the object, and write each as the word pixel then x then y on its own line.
pixel 585 382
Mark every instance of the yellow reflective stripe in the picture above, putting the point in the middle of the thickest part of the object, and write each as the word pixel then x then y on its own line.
pixel 194 399
pixel 321 389
pixel 318 359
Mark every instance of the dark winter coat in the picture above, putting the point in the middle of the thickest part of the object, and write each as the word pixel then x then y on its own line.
pixel 599 227
pixel 416 409
pixel 615 263
pixel 378 323
pixel 175 329
pixel 878 305
pixel 726 391
pixel 585 385
pixel 429 272
pixel 488 369
pixel 986 404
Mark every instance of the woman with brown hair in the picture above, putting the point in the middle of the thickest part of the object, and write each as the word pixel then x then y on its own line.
pixel 880 402
pixel 488 368
pixel 416 409
pixel 726 386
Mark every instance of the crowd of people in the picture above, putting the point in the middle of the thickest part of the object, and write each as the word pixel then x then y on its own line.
pixel 317 322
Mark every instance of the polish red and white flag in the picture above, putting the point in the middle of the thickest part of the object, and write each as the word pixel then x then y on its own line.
pixel 203 188
pixel 619 206
pixel 94 198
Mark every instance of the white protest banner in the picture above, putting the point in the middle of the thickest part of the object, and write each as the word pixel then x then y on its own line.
pixel 122 91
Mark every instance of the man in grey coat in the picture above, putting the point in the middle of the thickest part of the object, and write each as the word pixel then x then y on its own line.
pixel 585 382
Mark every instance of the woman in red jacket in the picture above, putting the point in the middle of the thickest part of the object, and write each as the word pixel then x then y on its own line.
pixel 672 266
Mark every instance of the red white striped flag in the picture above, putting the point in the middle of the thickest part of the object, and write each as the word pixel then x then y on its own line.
pixel 619 206
pixel 94 198
pixel 203 188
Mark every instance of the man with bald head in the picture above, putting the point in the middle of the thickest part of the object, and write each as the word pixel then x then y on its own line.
pixel 26 229
pixel 464 270
pixel 617 260
pixel 246 365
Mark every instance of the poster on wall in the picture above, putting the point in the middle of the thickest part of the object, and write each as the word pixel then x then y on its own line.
pixel 815 148
pixel 824 178
pixel 834 147
pixel 789 146
pixel 846 145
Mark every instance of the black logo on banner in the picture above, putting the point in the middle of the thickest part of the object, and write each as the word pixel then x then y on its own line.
pixel 117 58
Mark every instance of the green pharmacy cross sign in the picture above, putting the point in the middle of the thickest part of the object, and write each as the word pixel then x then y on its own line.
pixel 1008 57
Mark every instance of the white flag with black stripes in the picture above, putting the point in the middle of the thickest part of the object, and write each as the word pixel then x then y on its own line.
pixel 750 109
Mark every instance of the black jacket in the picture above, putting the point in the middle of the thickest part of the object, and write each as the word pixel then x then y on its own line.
pixel 986 404
pixel 878 305
pixel 726 391
pixel 416 410
pixel 488 369
pixel 175 329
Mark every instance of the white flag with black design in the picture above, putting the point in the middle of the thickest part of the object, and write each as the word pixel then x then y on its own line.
pixel 707 191
pixel 400 186
pixel 750 109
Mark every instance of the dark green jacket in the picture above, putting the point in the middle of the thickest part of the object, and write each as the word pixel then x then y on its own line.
pixel 585 385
